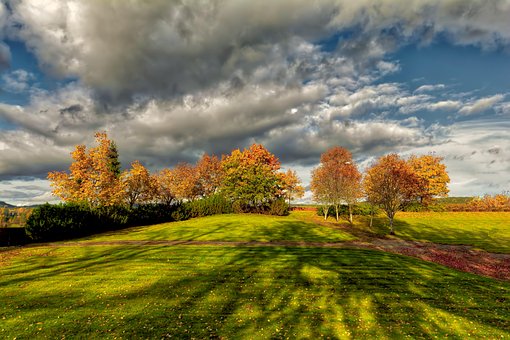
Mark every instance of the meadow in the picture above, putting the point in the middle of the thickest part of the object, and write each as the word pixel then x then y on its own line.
pixel 110 290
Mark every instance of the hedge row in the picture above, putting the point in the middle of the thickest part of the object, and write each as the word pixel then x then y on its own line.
pixel 64 221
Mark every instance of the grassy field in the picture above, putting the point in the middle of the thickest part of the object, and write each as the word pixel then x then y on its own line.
pixel 127 291
pixel 122 291
pixel 485 230
pixel 246 227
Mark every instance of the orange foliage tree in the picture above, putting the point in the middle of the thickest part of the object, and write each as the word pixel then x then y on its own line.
pixel 165 186
pixel 292 188
pixel 209 175
pixel 433 177
pixel 336 181
pixel 389 183
pixel 93 177
pixel 251 178
pixel 140 186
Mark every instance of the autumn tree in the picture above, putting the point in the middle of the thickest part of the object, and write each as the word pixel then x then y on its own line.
pixel 319 186
pixel 209 175
pixel 337 180
pixel 251 177
pixel 389 183
pixel 292 188
pixel 140 186
pixel 92 177
pixel 433 177
pixel 165 186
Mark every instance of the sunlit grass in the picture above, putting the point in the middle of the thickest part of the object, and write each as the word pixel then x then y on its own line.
pixel 485 230
pixel 240 227
pixel 202 292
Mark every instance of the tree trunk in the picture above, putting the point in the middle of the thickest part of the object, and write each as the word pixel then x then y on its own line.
pixel 326 212
pixel 336 210
pixel 371 218
pixel 350 213
pixel 392 231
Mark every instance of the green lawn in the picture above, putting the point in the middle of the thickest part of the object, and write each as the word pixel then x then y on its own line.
pixel 236 292
pixel 245 227
pixel 485 230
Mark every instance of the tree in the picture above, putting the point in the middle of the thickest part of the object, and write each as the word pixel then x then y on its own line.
pixel 389 183
pixel 292 188
pixel 336 181
pixel 93 177
pixel 433 177
pixel 251 177
pixel 140 186
pixel 319 186
pixel 209 175
pixel 165 186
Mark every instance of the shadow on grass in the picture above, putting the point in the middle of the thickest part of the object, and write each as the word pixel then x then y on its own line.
pixel 429 231
pixel 212 292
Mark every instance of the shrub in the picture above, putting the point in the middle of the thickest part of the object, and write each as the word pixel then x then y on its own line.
pixel 360 209
pixel 56 222
pixel 213 205
pixel 279 207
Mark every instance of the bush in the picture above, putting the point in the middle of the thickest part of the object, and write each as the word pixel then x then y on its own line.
pixel 279 207
pixel 213 205
pixel 360 209
pixel 57 222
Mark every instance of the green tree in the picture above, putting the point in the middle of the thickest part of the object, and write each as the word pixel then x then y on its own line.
pixel 251 178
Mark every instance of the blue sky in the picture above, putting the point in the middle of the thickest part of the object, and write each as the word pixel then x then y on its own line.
pixel 170 81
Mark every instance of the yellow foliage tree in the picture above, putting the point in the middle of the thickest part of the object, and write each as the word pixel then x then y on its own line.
pixel 433 177
pixel 292 187
pixel 140 186
pixel 92 177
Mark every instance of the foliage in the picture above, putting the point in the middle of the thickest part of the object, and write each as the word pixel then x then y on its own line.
pixel 433 177
pixel 212 205
pixel 140 186
pixel 390 182
pixel 93 177
pixel 292 188
pixel 251 179
pixel 209 175
pixel 165 187
pixel 279 207
pixel 499 202
pixel 336 180
pixel 360 209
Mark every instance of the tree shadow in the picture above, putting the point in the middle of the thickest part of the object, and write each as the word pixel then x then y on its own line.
pixel 252 292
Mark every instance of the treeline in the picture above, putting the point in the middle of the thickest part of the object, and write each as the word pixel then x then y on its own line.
pixel 391 183
pixel 98 195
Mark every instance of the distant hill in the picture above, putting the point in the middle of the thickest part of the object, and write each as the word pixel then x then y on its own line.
pixel 6 205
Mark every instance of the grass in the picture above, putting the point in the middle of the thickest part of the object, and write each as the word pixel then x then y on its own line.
pixel 202 292
pixel 489 231
pixel 126 291
pixel 245 227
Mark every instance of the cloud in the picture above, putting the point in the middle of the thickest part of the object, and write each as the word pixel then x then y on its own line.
pixel 168 49
pixel 429 88
pixel 481 105
pixel 476 153
pixel 17 81
pixel 169 80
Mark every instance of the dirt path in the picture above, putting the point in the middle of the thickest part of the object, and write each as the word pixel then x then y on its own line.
pixel 463 258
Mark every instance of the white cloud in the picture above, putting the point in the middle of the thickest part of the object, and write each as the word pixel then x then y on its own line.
pixel 17 81
pixel 481 105
pixel 429 88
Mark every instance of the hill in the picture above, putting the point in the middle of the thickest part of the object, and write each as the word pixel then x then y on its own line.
pixel 6 205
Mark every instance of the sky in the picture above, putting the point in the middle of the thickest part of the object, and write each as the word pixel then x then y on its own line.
pixel 170 80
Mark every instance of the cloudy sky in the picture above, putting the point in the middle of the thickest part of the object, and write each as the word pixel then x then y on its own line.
pixel 170 80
